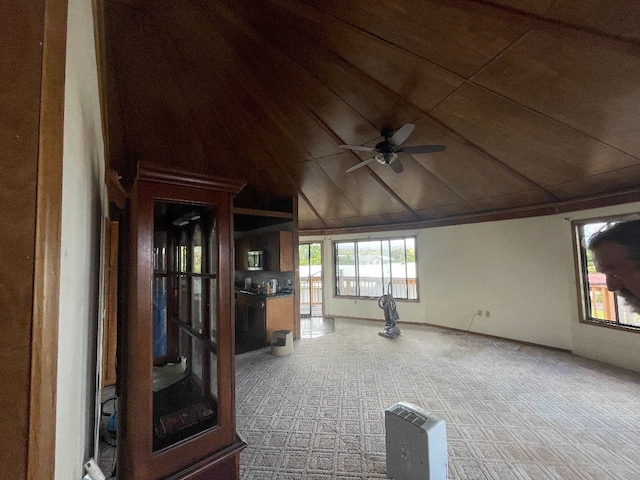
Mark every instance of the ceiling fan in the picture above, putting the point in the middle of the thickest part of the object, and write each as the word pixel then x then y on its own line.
pixel 387 150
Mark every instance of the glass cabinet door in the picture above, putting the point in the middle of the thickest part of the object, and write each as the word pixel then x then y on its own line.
pixel 185 357
pixel 176 379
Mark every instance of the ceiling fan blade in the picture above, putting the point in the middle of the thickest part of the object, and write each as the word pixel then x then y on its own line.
pixel 361 164
pixel 396 166
pixel 402 134
pixel 423 149
pixel 358 147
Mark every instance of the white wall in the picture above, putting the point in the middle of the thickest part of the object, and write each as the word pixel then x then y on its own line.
pixel 82 213
pixel 522 271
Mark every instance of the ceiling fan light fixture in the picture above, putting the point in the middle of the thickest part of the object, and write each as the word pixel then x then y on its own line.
pixel 386 158
pixel 387 150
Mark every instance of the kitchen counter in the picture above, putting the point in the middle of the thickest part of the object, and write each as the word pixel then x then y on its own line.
pixel 282 293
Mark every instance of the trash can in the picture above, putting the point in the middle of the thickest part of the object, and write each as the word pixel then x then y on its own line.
pixel 282 343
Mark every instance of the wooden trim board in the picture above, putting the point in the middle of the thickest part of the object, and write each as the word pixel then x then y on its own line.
pixel 46 282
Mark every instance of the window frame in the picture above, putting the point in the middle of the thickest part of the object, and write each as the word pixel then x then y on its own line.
pixel 581 274
pixel 390 240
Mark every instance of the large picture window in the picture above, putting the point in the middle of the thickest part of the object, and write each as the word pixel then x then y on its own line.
pixel 598 304
pixel 371 268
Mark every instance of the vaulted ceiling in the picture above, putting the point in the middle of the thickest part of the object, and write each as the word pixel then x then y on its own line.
pixel 537 101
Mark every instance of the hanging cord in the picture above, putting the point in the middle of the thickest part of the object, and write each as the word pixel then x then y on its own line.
pixel 460 332
pixel 388 304
pixel 474 316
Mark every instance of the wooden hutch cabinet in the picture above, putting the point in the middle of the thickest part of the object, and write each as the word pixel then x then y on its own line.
pixel 176 402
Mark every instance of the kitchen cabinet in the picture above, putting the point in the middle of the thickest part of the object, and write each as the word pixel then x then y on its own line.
pixel 277 247
pixel 250 316
pixel 242 247
pixel 258 316
pixel 280 251
pixel 176 376
pixel 279 314
pixel 258 242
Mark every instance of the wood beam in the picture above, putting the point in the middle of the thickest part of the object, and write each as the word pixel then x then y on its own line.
pixel 46 280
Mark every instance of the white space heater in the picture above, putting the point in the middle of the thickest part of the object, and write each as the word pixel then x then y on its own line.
pixel 416 444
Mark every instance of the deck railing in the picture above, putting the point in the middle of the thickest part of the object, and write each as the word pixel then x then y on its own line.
pixel 311 291
pixel 602 302
pixel 373 287
pixel 310 295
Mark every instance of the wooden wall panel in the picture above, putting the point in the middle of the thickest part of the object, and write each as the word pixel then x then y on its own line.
pixel 468 170
pixel 439 211
pixel 369 98
pixel 268 78
pixel 541 149
pixel 446 35
pixel 620 179
pixel 382 219
pixel 516 200
pixel 265 91
pixel 532 107
pixel 620 18
pixel 367 194
pixel 280 76
pixel 582 84
pixel 20 82
pixel 422 82
pixel 159 126
pixel 535 7
pixel 31 96
pixel 48 219
pixel 307 217
pixel 327 199
pixel 416 186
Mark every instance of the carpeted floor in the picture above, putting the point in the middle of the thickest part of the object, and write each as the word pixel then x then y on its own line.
pixel 512 411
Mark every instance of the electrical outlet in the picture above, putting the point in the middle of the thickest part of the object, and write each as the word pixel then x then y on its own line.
pixel 479 313
pixel 487 313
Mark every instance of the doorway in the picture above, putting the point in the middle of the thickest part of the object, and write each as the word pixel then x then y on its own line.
pixel 310 258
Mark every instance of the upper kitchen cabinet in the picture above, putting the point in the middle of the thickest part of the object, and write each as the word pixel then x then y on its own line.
pixel 280 251
pixel 242 248
pixel 267 232
pixel 176 350
pixel 275 251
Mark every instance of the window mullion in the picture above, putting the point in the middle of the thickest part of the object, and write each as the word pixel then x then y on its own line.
pixel 356 269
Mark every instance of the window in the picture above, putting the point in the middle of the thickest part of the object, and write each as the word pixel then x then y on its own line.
pixel 185 313
pixel 310 275
pixel 598 304
pixel 371 268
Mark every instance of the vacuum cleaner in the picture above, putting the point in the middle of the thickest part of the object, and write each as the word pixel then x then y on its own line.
pixel 388 304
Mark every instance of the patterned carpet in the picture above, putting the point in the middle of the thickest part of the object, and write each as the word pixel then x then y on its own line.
pixel 512 411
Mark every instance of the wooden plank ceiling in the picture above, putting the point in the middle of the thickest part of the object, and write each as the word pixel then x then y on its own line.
pixel 538 102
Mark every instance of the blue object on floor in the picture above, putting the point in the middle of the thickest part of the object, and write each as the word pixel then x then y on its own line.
pixel 112 423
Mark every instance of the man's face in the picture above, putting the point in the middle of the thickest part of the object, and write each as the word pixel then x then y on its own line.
pixel 622 273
